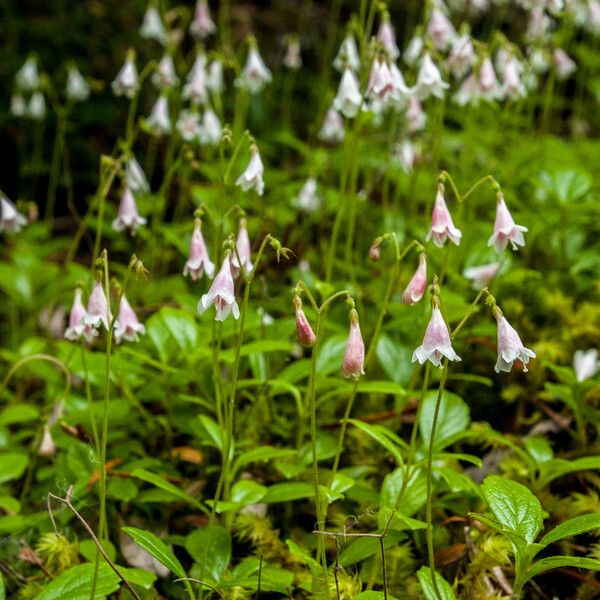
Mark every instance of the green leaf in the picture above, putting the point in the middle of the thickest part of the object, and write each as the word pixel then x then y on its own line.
pixel 571 528
pixel 141 577
pixel 414 495
pixel 182 326
pixel 2 588
pixel 246 492
pixel 12 465
pixel 213 431
pixel 426 581
pixel 514 506
pixel 76 583
pixel 157 548
pixel 382 436
pixel 261 454
pixel 163 484
pixel 558 467
pixel 363 547
pixel 288 491
pixel 211 547
pixel 540 449
pixel 453 419
pixel 395 359
pixel 18 413
pixel 371 595
pixel 555 562
pixel 9 504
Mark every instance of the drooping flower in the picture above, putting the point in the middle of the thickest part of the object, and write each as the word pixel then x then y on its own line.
pixel 292 59
pixel 505 229
pixel 18 106
pixel 47 446
pixel 462 56
pixel 405 153
pixel 415 115
pixel 128 216
pixel 11 220
pixel 307 199
pixel 255 74
pixel 196 88
pixel 305 333
pixel 77 89
pixel 36 109
pixel 126 82
pixel 152 27
pixel 481 275
pixel 487 82
pixel 221 294
pixel 127 325
pixel 77 328
pixel 198 261
pixel 97 312
pixel 202 25
pixel 347 56
pixel 27 77
pixel 416 286
pixel 210 129
pixel 585 364
pixel 159 120
pixel 387 38
pixel 354 355
pixel 252 177
pixel 440 30
pixel 188 125
pixel 348 98
pixel 243 250
pixel 380 86
pixel 510 347
pixel 442 226
pixel 468 92
pixel 512 86
pixel 135 177
pixel 564 64
pixel 214 78
pixel 165 75
pixel 332 130
pixel 436 342
pixel 413 50
pixel 401 92
pixel 429 80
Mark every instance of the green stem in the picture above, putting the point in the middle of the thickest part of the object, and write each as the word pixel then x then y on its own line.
pixel 342 433
pixel 429 505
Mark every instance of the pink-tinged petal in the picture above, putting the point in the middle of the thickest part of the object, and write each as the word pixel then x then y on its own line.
pixel 305 333
pixel 442 226
pixel 436 342
pixel 510 347
pixel 221 294
pixel 416 287
pixel 354 355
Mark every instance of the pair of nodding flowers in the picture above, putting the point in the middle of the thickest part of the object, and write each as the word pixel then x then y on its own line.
pixel 222 290
pixel 354 354
pixel 437 342
pixel 85 322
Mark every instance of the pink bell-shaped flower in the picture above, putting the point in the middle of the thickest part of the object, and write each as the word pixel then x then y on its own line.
pixel 442 226
pixel 505 229
pixel 11 220
pixel 348 98
pixel 252 177
pixel 255 74
pixel 128 217
pixel 354 355
pixel 159 120
pixel 152 28
pixel 347 56
pixel 196 86
pixel 387 38
pixel 292 59
pixel 510 347
pixel 198 261
pixel 126 82
pixel 127 326
pixel 77 328
pixel 481 275
pixel 564 64
pixel 305 333
pixel 487 81
pixel 243 250
pixel 97 312
pixel 416 286
pixel 202 25
pixel 440 30
pixel 462 56
pixel 221 294
pixel 165 75
pixel 436 342
pixel 429 80
pixel 415 115
pixel 47 447
pixel 332 129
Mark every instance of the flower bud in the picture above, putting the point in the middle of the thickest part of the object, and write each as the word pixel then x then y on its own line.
pixel 306 336
pixel 416 286
pixel 354 356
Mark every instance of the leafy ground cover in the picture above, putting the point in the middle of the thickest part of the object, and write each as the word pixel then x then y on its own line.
pixel 310 312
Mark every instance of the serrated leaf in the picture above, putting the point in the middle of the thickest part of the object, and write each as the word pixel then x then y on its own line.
pixel 76 583
pixel 211 547
pixel 514 506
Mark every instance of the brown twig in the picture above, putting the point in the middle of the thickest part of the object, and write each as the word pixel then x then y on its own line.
pixel 67 501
